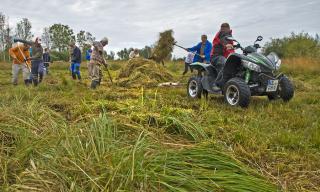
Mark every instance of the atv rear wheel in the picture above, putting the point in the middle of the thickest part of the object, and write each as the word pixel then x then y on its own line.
pixel 286 89
pixel 237 92
pixel 195 88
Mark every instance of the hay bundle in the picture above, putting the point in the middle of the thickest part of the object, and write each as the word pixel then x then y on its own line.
pixel 142 72
pixel 164 46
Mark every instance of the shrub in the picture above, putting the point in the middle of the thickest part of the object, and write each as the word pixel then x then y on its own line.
pixel 295 45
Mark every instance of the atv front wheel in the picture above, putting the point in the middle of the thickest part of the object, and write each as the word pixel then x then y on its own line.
pixel 237 92
pixel 195 88
pixel 286 89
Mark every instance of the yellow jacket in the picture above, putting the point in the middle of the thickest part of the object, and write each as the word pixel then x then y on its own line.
pixel 16 53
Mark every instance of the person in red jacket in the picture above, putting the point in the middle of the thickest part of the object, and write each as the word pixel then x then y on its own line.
pixel 221 49
pixel 221 46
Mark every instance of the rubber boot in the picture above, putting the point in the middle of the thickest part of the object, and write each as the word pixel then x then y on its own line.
pixel 35 82
pixel 41 77
pixel 27 82
pixel 74 76
pixel 94 84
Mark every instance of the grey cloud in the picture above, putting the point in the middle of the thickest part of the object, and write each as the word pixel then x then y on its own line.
pixel 136 23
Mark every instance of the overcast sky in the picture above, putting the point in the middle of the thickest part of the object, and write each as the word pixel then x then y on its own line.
pixel 136 23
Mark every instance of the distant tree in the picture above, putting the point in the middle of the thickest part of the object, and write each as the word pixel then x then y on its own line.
pixel 112 55
pixel 89 38
pixel 84 38
pixel 295 45
pixel 146 52
pixel 60 36
pixel 124 54
pixel 7 36
pixel 46 38
pixel 81 38
pixel 23 29
pixel 2 32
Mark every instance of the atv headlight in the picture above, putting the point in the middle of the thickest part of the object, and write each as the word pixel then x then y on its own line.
pixel 278 64
pixel 251 66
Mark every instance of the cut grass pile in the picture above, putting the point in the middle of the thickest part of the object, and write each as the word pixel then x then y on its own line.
pixel 140 72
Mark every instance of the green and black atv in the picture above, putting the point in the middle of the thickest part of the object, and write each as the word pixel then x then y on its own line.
pixel 244 75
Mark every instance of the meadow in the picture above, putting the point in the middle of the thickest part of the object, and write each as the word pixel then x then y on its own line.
pixel 62 136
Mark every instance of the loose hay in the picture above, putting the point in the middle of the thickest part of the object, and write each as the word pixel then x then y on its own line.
pixel 164 46
pixel 143 72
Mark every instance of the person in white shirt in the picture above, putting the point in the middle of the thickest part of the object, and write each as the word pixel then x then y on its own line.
pixel 189 59
pixel 134 54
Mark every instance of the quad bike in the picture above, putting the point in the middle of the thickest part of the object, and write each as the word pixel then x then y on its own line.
pixel 244 75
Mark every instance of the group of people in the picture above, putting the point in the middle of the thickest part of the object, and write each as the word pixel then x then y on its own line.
pixel 34 62
pixel 214 53
pixel 31 60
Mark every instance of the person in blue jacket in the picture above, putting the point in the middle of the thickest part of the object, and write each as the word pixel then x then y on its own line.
pixel 203 50
pixel 88 57
pixel 88 54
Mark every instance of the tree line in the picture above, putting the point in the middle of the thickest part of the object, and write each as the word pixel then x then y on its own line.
pixel 56 38
pixel 295 45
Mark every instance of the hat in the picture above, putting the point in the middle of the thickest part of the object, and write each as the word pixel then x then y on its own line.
pixel 105 40
pixel 37 39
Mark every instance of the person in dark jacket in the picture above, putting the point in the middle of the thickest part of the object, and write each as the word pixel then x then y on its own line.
pixel 46 60
pixel 203 48
pixel 36 59
pixel 221 49
pixel 75 61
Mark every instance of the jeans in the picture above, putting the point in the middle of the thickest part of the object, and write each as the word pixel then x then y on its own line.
pixel 75 70
pixel 37 71
pixel 15 72
pixel 218 62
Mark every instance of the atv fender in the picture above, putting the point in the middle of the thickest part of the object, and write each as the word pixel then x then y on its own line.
pixel 232 65
pixel 200 66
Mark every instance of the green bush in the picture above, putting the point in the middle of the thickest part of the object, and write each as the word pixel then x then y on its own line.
pixel 59 56
pixel 295 45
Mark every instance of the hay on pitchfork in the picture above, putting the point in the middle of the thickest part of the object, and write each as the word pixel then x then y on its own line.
pixel 164 46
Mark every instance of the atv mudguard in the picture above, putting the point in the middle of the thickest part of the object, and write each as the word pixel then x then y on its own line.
pixel 209 75
pixel 203 67
pixel 199 66
pixel 232 65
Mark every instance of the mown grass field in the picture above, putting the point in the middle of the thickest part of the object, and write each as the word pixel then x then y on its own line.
pixel 61 136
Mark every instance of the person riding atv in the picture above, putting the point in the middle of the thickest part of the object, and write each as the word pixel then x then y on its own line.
pixel 221 49
pixel 242 76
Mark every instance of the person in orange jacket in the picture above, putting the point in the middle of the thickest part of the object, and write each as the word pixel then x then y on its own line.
pixel 20 55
